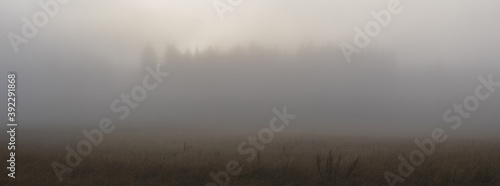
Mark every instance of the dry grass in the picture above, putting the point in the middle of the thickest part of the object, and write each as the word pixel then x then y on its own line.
pixel 173 158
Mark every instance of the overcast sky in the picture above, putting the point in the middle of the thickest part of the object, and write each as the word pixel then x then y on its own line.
pixel 432 27
pixel 453 35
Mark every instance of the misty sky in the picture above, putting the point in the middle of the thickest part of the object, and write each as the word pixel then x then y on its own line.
pixel 454 35
pixel 121 25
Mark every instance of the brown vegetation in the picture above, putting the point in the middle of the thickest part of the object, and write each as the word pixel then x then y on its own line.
pixel 174 158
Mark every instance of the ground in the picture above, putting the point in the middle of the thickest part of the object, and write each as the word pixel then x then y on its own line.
pixel 186 157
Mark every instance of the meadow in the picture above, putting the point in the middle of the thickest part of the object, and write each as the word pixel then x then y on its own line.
pixel 186 157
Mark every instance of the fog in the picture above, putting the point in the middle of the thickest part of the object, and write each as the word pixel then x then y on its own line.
pixel 265 54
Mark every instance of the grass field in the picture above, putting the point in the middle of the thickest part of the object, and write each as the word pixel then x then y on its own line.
pixel 174 157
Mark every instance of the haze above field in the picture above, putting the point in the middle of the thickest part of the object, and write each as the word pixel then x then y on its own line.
pixel 427 59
